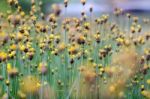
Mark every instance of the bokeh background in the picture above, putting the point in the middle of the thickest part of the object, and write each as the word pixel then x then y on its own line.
pixel 74 8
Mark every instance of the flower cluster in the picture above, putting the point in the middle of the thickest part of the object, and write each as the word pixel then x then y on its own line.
pixel 59 57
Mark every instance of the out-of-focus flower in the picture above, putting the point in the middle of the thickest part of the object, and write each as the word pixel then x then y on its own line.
pixel 66 3
pixel 73 49
pixel 42 68
pixel 13 47
pixel 146 93
pixel 14 19
pixel 21 95
pixel 148 81
pixel 83 2
pixel 56 9
pixel 30 85
pixel 3 56
pixel 3 37
pixel 48 92
pixel 61 47
pixel 81 39
pixel 124 67
pixel 12 71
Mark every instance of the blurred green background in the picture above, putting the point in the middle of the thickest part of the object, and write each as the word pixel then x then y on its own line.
pixel 4 6
pixel 26 4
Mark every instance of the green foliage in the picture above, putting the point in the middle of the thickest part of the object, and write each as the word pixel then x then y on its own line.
pixel 26 4
pixel 4 6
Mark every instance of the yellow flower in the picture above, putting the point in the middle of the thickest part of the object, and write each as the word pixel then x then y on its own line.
pixel 141 40
pixel 102 70
pixel 19 36
pixel 61 47
pixel 3 36
pixel 12 54
pixel 83 2
pixel 148 81
pixel 13 47
pixel 81 39
pixel 73 49
pixel 3 56
pixel 22 47
pixel 51 36
pixel 33 18
pixel 22 13
pixel 146 93
pixel 112 88
pixel 120 40
pixel 9 67
pixel 30 85
pixel 21 95
pixel 11 71
pixel 87 25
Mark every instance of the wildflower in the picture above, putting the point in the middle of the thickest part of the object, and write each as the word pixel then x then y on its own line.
pixel 71 61
pixel 83 13
pixel 97 38
pixel 33 18
pixel 61 47
pixel 128 15
pixel 91 8
pixel 12 72
pixel 42 68
pixel 90 76
pixel 3 56
pixel 127 42
pixel 141 40
pixel 87 25
pixel 26 39
pixel 139 28
pixel 53 71
pixel 56 9
pixel 30 55
pixel 19 37
pixel 83 2
pixel 66 3
pixel 146 21
pixel 3 38
pixel 81 39
pixel 14 19
pixel 73 49
pixel 23 48
pixel 147 36
pixel 12 2
pixel 132 29
pixel 22 13
pixel 13 47
pixel 116 89
pixel 142 88
pixel 7 82
pixel 117 11
pixel 52 18
pixel 135 19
